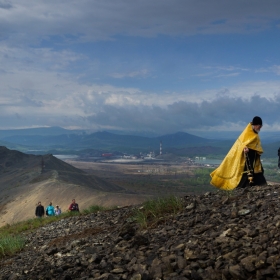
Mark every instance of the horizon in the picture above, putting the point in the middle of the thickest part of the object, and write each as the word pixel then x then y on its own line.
pixel 211 135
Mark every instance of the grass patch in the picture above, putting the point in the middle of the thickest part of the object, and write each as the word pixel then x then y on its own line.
pixel 11 239
pixel 155 210
pixel 93 209
pixel 9 244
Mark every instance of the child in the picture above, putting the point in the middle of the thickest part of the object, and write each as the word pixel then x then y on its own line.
pixel 57 210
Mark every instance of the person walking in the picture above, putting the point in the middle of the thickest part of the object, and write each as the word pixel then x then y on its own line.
pixel 242 165
pixel 74 206
pixel 57 210
pixel 50 210
pixel 40 210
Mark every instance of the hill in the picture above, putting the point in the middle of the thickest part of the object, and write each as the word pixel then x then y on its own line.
pixel 216 235
pixel 42 131
pixel 101 140
pixel 26 179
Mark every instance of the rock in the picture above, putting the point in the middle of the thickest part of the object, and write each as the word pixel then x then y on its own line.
pixel 244 212
pixel 214 237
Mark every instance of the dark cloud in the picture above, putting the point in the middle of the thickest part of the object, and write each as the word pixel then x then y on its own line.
pixel 5 5
pixel 99 20
pixel 181 116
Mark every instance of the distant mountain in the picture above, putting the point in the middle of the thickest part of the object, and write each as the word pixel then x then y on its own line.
pixel 17 167
pixel 40 131
pixel 62 140
pixel 105 140
pixel 181 139
pixel 266 136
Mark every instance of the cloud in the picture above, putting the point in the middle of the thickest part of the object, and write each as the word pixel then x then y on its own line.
pixel 183 116
pixel 272 69
pixel 5 5
pixel 104 107
pixel 28 22
pixel 133 74
pixel 156 65
pixel 228 75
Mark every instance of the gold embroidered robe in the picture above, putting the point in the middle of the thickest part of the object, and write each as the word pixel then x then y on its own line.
pixel 229 173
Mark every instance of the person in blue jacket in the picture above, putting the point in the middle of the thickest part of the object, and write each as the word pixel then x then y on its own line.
pixel 50 210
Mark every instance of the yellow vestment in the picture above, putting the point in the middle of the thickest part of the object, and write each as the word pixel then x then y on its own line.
pixel 229 173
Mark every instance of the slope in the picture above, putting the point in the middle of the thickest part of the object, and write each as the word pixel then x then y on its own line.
pixel 214 236
pixel 26 179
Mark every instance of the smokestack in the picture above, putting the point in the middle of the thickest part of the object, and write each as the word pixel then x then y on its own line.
pixel 160 148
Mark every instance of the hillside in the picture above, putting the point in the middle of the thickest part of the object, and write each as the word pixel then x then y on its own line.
pixel 217 235
pixel 26 179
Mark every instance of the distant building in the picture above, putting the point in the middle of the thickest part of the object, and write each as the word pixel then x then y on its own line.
pixel 200 158
pixel 151 155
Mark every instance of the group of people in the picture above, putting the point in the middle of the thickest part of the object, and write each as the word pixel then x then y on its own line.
pixel 242 165
pixel 50 210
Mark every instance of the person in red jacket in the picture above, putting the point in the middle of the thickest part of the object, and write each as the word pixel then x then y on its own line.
pixel 74 206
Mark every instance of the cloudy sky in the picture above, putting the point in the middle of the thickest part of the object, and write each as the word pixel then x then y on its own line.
pixel 154 66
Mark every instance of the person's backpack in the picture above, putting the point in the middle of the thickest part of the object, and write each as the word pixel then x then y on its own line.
pixel 47 211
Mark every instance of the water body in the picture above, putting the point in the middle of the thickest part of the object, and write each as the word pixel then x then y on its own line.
pixel 62 157
pixel 219 161
pixel 208 161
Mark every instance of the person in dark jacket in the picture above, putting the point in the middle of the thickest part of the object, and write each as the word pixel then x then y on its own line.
pixel 279 158
pixel 40 210
pixel 74 206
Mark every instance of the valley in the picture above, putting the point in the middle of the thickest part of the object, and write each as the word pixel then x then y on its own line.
pixel 26 179
pixel 153 179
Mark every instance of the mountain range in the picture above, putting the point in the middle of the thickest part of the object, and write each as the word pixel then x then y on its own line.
pixel 60 140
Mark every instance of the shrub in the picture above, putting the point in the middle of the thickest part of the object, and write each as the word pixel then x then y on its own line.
pixel 93 209
pixel 153 211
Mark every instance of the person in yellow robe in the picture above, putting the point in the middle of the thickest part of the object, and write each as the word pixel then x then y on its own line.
pixel 242 165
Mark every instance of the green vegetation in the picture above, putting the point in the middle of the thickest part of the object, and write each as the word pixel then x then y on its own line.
pixel 11 240
pixel 10 244
pixel 271 171
pixel 155 210
pixel 200 178
pixel 94 209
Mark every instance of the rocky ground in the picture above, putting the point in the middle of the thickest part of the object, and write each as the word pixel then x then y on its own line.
pixel 218 235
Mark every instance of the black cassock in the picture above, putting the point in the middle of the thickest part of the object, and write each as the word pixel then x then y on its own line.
pixel 258 178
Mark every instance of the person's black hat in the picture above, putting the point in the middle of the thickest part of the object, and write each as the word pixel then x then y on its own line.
pixel 256 121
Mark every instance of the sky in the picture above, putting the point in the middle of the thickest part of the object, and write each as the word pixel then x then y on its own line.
pixel 143 66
